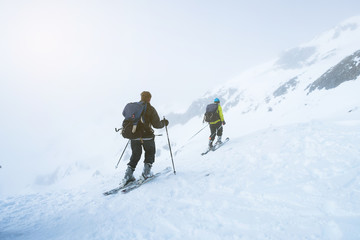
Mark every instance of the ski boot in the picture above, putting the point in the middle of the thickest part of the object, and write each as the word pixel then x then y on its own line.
pixel 129 177
pixel 211 144
pixel 219 140
pixel 147 170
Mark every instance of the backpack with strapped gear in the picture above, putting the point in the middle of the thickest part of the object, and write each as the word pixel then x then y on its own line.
pixel 211 114
pixel 132 126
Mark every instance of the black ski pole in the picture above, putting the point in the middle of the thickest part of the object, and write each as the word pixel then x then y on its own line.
pixel 172 159
pixel 122 154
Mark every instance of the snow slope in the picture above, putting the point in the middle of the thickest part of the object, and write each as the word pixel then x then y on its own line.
pixel 300 181
pixel 290 171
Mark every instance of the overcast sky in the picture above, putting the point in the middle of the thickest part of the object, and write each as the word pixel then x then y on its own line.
pixel 121 47
pixel 68 67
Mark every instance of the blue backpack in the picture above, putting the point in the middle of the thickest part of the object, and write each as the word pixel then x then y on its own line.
pixel 134 115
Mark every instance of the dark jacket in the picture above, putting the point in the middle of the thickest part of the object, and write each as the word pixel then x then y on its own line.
pixel 152 119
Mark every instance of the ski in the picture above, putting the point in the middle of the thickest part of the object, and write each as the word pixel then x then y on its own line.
pixel 208 150
pixel 117 189
pixel 215 147
pixel 135 184
pixel 142 181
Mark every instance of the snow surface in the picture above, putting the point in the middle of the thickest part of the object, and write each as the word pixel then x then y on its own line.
pixel 289 173
pixel 300 181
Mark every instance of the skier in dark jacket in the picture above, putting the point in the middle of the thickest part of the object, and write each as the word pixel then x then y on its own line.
pixel 146 142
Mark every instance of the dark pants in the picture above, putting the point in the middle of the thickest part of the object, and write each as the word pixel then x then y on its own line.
pixel 215 129
pixel 136 148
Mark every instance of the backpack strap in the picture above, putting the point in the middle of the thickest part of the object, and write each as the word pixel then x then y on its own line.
pixel 142 115
pixel 142 118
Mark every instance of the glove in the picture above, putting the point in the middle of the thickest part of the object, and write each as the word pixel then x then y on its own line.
pixel 165 122
pixel 223 123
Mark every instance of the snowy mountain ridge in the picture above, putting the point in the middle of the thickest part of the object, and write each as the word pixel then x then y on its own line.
pixel 295 69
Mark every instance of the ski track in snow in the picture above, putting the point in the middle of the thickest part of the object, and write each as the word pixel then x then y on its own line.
pixel 300 181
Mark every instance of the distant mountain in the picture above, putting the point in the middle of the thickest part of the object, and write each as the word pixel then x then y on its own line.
pixel 324 63
pixel 197 108
pixel 346 70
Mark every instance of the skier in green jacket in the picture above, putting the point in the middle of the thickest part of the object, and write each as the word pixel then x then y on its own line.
pixel 217 123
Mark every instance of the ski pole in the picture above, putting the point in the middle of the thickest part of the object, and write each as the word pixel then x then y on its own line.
pixel 190 139
pixel 122 154
pixel 197 132
pixel 172 159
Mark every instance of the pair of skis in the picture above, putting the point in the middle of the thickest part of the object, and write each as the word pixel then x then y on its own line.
pixel 136 184
pixel 216 146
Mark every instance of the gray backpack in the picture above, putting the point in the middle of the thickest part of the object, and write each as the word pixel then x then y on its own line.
pixel 211 114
